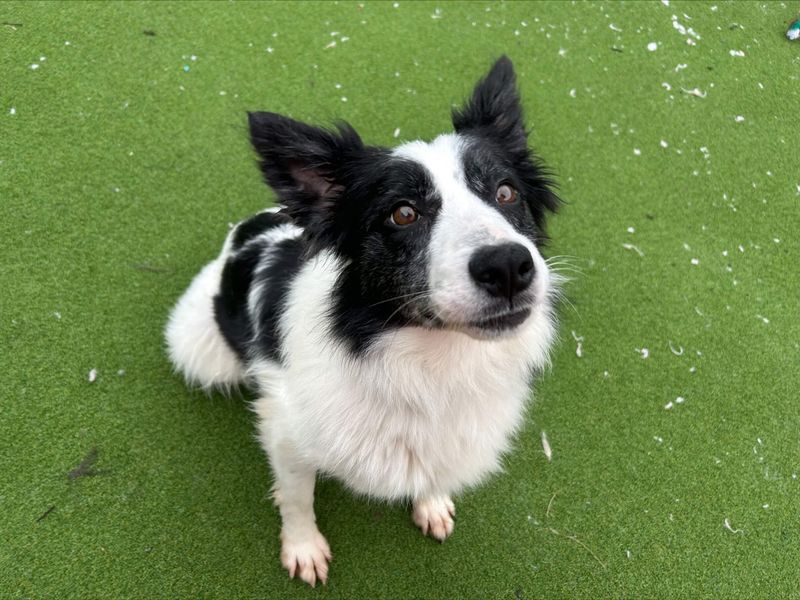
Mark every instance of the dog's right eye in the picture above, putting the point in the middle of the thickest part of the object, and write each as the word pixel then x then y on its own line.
pixel 403 215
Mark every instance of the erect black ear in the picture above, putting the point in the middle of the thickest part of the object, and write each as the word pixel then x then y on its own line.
pixel 303 164
pixel 494 108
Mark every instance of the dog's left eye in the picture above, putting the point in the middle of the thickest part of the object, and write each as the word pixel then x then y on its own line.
pixel 506 194
pixel 403 215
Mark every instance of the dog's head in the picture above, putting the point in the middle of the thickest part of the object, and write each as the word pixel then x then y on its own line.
pixel 440 234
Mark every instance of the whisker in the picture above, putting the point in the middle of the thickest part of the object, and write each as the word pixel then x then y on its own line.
pixel 557 263
pixel 400 297
pixel 399 308
pixel 557 256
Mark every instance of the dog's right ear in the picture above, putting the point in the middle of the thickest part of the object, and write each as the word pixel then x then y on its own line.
pixel 303 164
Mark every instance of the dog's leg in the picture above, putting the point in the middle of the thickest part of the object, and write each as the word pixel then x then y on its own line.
pixel 434 516
pixel 304 550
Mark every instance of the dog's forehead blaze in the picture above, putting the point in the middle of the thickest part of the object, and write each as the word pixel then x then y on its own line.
pixel 462 210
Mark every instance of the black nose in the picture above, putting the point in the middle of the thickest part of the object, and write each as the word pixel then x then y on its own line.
pixel 502 270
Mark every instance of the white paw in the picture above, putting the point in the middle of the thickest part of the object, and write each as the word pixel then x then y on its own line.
pixel 434 516
pixel 306 556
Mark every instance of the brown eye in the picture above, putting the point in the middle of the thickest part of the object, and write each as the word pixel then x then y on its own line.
pixel 404 215
pixel 506 194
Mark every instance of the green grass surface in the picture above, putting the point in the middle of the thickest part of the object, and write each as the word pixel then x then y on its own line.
pixel 120 170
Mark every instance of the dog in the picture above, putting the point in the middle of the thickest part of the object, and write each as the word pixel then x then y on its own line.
pixel 389 314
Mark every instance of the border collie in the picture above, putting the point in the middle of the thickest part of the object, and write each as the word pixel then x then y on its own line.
pixel 389 314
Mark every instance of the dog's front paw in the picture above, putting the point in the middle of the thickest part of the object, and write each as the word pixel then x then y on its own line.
pixel 306 556
pixel 434 516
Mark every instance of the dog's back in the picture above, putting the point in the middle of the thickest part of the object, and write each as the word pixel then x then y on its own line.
pixel 235 301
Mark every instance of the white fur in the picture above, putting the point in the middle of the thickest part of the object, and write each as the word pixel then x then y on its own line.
pixel 425 413
pixel 269 239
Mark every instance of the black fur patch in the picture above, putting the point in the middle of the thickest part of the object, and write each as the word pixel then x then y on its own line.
pixel 230 305
pixel 284 263
pixel 257 224
pixel 386 263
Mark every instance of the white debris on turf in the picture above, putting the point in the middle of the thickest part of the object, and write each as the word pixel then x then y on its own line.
pixel 736 53
pixel 738 118
pixel 548 452
pixel 121 373
pixel 765 320
pixel 695 92
pixel 573 93
pixel 613 27
pixel 668 405
pixel 685 30
pixel 628 552
pixel 695 261
pixel 57 315
pixel 396 133
pixel 652 46
pixel 644 352
pixel 664 144
pixel 727 525
pixel 637 152
pixel 631 230
pixel 12 111
pixel 579 340
pixel 92 375
pixel 634 248
pixel 680 67
pixel 666 86
pixel 678 352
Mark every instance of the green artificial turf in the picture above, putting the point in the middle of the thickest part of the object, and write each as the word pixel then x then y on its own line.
pixel 124 156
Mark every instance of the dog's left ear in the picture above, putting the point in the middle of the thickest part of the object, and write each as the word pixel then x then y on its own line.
pixel 494 110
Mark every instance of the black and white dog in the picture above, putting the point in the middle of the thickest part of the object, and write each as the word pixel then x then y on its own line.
pixel 389 315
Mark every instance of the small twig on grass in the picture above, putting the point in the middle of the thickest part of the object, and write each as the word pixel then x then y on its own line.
pixel 85 468
pixel 12 26
pixel 574 538
pixel 149 32
pixel 550 504
pixel 44 515
pixel 149 268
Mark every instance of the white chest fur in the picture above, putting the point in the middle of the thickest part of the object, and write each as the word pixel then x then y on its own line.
pixel 422 413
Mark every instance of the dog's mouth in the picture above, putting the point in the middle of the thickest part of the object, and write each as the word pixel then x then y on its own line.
pixel 502 322
pixel 484 328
